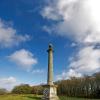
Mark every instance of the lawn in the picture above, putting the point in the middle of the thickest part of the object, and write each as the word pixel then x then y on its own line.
pixel 34 97
pixel 70 98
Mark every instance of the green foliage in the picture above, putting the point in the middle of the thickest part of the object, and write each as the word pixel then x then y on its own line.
pixel 22 89
pixel 87 86
pixel 37 90
pixel 26 89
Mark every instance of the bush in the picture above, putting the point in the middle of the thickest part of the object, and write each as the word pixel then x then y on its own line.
pixel 22 89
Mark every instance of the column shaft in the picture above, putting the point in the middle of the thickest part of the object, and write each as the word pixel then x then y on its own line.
pixel 50 67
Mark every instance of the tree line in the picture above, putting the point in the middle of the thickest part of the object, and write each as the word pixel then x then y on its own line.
pixel 87 86
pixel 24 89
pixel 27 89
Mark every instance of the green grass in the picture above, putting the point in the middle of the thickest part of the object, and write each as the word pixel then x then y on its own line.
pixel 19 97
pixel 34 97
pixel 70 98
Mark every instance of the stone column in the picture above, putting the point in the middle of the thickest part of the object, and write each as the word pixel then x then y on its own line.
pixel 50 65
pixel 50 90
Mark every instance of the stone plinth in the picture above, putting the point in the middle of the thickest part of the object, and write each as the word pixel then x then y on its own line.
pixel 50 92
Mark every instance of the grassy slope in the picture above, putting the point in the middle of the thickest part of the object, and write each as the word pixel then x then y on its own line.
pixel 32 97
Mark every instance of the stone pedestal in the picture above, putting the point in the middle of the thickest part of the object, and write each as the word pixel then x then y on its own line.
pixel 50 92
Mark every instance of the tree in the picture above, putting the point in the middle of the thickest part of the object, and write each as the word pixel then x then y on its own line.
pixel 37 90
pixel 22 89
pixel 87 86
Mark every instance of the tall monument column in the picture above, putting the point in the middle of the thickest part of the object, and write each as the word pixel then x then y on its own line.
pixel 50 65
pixel 50 91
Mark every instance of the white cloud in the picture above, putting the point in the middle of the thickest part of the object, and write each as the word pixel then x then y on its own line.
pixel 87 60
pixel 8 82
pixel 23 58
pixel 8 35
pixel 79 18
pixel 74 44
pixel 68 74
pixel 80 21
pixel 50 13
pixel 47 29
pixel 38 71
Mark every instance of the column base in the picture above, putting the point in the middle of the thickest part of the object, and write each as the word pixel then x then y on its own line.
pixel 50 92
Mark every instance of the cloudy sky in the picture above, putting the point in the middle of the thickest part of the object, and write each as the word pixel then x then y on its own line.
pixel 26 29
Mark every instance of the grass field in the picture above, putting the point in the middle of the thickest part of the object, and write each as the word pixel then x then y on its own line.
pixel 34 97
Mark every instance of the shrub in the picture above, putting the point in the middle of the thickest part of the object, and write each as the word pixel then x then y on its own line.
pixel 22 89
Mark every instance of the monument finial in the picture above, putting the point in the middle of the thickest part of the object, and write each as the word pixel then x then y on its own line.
pixel 50 48
pixel 50 45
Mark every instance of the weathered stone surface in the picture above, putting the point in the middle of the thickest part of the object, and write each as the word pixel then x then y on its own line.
pixel 50 92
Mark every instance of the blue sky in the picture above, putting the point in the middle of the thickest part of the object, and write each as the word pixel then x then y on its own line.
pixel 25 18
pixel 26 29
